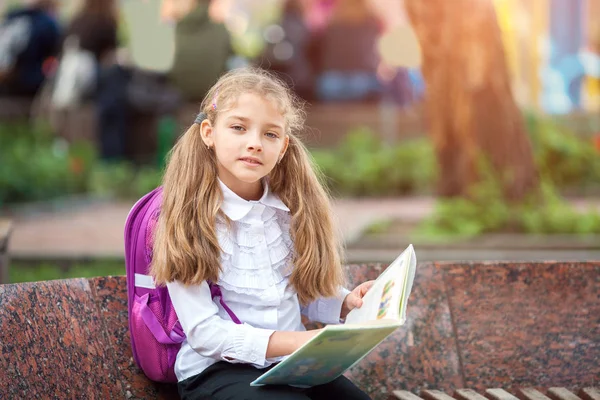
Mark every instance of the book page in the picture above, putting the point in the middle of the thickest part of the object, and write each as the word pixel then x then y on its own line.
pixel 408 283
pixel 328 355
pixel 384 299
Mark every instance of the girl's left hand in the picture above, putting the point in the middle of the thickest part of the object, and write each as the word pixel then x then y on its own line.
pixel 354 298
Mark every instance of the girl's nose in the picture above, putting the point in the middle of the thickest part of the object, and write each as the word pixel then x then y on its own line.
pixel 254 142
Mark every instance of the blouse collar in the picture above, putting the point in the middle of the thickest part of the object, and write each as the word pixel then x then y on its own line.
pixel 237 208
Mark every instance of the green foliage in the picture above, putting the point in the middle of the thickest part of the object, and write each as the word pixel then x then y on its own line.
pixel 111 179
pixel 364 165
pixel 123 180
pixel 565 159
pixel 38 166
pixel 486 211
pixel 146 180
pixel 554 215
pixel 24 272
pixel 378 227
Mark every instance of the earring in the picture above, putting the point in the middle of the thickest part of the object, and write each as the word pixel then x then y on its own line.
pixel 207 147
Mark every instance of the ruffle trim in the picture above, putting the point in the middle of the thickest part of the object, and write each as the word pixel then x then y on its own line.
pixel 241 249
pixel 253 282
pixel 276 224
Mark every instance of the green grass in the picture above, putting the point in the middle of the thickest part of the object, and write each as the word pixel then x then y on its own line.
pixel 379 227
pixel 28 272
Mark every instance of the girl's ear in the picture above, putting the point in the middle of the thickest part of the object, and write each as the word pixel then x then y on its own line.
pixel 206 131
pixel 286 143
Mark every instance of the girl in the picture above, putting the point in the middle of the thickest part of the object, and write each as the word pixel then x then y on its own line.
pixel 243 208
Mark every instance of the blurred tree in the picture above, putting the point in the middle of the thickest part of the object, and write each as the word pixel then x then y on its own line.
pixel 471 108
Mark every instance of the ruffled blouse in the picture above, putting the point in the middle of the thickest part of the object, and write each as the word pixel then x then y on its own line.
pixel 257 255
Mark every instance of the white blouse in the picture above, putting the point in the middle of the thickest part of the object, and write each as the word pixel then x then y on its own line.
pixel 256 262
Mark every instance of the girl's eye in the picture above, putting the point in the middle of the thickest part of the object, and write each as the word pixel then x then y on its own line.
pixel 237 127
pixel 272 135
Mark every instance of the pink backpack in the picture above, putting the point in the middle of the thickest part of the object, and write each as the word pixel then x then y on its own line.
pixel 156 334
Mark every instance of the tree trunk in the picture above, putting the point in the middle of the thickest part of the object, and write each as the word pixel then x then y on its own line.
pixel 470 104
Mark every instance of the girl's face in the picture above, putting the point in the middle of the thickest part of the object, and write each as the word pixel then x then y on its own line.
pixel 248 140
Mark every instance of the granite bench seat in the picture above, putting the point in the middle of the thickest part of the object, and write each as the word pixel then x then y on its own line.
pixel 471 325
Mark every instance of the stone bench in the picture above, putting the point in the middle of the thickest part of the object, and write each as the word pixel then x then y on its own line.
pixel 470 325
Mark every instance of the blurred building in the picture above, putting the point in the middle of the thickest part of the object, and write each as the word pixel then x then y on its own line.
pixel 552 48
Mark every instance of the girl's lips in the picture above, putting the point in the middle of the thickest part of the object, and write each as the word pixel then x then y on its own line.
pixel 253 162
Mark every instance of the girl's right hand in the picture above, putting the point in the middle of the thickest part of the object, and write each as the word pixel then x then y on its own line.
pixel 306 336
pixel 284 343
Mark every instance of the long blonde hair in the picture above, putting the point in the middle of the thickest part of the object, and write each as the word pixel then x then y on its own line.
pixel 186 247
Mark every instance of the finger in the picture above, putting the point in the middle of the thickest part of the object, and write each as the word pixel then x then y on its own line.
pixel 358 303
pixel 363 291
pixel 365 288
pixel 354 301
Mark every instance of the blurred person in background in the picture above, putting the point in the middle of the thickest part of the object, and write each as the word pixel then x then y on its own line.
pixel 95 28
pixel 202 49
pixel 290 52
pixel 29 39
pixel 347 54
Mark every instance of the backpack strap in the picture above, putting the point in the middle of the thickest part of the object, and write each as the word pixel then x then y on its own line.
pixel 156 327
pixel 146 281
pixel 215 291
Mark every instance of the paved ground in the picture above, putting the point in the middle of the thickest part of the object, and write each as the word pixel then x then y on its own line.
pixel 96 230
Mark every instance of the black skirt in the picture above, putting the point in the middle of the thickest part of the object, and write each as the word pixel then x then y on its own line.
pixel 224 380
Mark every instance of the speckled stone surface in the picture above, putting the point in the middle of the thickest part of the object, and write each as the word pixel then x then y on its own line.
pixel 419 355
pixel 526 324
pixel 70 339
pixel 51 343
pixel 469 325
pixel 111 298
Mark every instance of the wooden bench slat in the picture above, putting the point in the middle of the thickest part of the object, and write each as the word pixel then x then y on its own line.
pixel 531 394
pixel 468 394
pixel 435 395
pixel 499 394
pixel 561 393
pixel 406 395
pixel 591 393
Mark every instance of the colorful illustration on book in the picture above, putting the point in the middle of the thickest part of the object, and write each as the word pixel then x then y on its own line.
pixel 319 367
pixel 311 366
pixel 386 297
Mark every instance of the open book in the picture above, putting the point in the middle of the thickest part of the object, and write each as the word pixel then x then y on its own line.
pixel 338 347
